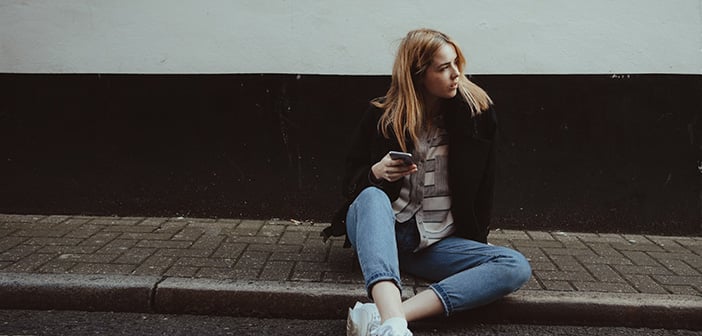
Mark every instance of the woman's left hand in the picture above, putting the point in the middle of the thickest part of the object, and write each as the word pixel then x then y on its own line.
pixel 392 170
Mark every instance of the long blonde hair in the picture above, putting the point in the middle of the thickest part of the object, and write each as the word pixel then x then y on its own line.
pixel 403 104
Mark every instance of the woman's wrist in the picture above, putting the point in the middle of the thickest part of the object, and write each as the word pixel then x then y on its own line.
pixel 373 176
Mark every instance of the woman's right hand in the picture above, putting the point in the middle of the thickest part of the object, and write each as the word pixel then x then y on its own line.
pixel 392 170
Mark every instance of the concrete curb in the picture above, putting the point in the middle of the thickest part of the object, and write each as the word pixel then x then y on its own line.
pixel 327 300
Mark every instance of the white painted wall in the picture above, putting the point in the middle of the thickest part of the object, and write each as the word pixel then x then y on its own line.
pixel 346 37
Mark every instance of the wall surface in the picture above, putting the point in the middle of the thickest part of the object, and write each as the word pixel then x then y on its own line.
pixel 347 37
pixel 244 108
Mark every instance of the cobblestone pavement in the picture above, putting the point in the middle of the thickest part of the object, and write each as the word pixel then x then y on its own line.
pixel 292 251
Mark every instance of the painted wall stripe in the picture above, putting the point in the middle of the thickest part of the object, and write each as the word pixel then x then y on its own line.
pixel 347 37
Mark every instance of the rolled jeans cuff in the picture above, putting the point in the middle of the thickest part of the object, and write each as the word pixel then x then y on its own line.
pixel 443 297
pixel 378 277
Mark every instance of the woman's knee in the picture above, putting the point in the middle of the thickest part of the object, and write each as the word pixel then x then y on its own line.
pixel 373 194
pixel 519 270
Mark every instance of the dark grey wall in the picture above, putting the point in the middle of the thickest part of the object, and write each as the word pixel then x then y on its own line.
pixel 577 152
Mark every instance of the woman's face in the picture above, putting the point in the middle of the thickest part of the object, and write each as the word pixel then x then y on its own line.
pixel 441 77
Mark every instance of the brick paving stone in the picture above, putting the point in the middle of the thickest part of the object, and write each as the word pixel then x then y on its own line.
pixel 166 244
pixel 84 231
pixel 170 227
pixel 53 241
pixel 640 258
pixel 274 248
pixel 571 241
pixel 227 273
pixel 54 219
pixel 252 260
pixel 601 238
pixel 277 270
pixel 684 290
pixel 29 263
pixel 543 266
pixel 100 239
pixel 183 253
pixel 208 242
pixel 510 234
pixel 645 270
pixel 306 276
pixel 534 254
pixel 308 266
pixel 7 243
pixel 128 229
pixel 293 238
pixel 568 251
pixel 604 273
pixel 252 239
pixel 316 228
pixel 678 280
pixel 536 243
pixel 117 246
pixel 187 234
pixel 152 221
pixel 645 284
pixel 540 235
pixel 18 252
pixel 605 250
pixel 205 262
pixel 89 258
pixel 315 248
pixel 679 267
pixel 122 269
pixel 135 255
pixel 56 266
pixel 564 276
pixel 270 230
pixel 277 256
pixel 557 285
pixel 115 221
pixel 532 284
pixel 146 236
pixel 229 250
pixel 604 260
pixel 343 277
pixel 182 271
pixel 19 218
pixel 47 233
pixel 154 265
pixel 603 287
pixel 670 244
pixel 674 256
pixel 568 263
pixel 637 247
pixel 249 226
pixel 501 242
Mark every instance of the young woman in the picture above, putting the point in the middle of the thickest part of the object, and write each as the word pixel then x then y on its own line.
pixel 429 216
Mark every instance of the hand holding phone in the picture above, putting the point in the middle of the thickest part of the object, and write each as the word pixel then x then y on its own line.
pixel 405 157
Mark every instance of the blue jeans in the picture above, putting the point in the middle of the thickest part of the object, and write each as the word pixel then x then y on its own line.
pixel 466 273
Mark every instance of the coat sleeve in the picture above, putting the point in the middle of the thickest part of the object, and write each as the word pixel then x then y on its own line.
pixel 367 148
pixel 485 195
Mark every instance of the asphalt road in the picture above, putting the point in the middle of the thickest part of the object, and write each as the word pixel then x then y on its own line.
pixel 35 323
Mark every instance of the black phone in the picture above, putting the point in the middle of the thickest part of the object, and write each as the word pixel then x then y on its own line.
pixel 406 157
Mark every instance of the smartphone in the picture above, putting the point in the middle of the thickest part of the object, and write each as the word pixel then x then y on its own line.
pixel 406 157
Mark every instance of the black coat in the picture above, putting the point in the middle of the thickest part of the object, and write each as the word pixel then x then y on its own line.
pixel 471 167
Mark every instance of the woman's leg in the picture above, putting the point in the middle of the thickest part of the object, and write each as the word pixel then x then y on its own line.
pixel 469 274
pixel 370 225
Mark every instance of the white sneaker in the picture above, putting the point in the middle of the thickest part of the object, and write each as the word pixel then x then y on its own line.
pixel 386 330
pixel 362 320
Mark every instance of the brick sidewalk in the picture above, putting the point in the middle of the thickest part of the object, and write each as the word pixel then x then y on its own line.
pixel 278 250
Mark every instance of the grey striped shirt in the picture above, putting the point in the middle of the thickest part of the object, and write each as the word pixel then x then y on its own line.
pixel 425 194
